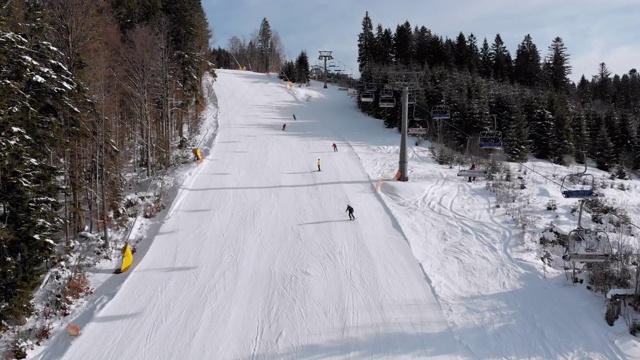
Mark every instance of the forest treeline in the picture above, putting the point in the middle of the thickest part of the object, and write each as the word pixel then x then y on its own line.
pixel 89 90
pixel 263 51
pixel 537 108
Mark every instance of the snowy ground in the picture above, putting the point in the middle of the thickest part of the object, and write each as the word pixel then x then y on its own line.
pixel 256 257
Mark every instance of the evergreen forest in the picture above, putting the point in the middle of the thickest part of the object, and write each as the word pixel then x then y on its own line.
pixel 527 96
pixel 89 91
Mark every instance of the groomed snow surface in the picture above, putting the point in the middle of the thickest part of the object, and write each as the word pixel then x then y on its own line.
pixel 256 258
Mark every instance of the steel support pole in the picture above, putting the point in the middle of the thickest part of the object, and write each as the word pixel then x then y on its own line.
pixel 325 72
pixel 403 134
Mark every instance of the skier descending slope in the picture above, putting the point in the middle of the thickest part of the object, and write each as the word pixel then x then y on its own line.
pixel 350 211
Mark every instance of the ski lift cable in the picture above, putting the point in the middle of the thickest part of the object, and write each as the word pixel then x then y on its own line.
pixel 626 221
pixel 551 180
pixel 448 122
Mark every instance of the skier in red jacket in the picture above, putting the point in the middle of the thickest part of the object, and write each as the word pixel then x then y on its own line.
pixel 473 167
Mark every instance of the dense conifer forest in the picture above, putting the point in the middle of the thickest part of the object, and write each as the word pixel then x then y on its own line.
pixel 537 108
pixel 89 91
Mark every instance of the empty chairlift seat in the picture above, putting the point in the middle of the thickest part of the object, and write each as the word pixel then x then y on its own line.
pixel 578 186
pixel 491 139
pixel 367 97
pixel 585 245
pixel 440 112
pixel 386 98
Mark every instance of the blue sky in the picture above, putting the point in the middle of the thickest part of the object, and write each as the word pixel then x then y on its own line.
pixel 594 31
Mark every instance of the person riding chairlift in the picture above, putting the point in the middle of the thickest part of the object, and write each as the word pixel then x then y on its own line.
pixel 473 167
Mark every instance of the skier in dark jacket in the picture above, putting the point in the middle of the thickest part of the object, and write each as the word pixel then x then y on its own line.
pixel 350 211
pixel 284 126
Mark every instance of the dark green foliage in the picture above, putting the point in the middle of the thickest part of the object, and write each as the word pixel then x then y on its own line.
pixel 49 122
pixel 461 54
pixel 37 95
pixel 562 141
pixel 473 54
pixel 500 60
pixel 636 150
pixel 188 35
pixel 302 68
pixel 436 54
pixel 264 43
pixel 539 110
pixel 130 13
pixel 542 128
pixel 527 67
pixel 580 136
pixel 403 45
pixel 602 89
pixel 486 63
pixel 221 58
pixel 557 66
pixel 583 91
pixel 288 72
pixel 601 150
pixel 422 38
pixel 515 128
pixel 384 50
pixel 624 142
pixel 366 44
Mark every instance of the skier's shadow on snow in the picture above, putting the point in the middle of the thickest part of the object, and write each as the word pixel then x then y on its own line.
pixel 324 222
pixel 301 172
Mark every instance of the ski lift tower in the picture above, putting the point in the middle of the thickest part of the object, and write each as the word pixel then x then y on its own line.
pixel 325 55
pixel 408 82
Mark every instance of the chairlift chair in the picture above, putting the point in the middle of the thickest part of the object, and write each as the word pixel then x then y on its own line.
pixel 440 112
pixel 367 97
pixel 387 102
pixel 587 245
pixel 386 92
pixel 386 98
pixel 587 190
pixel 490 139
pixel 472 173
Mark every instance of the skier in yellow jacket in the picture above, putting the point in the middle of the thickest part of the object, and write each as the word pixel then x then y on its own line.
pixel 319 165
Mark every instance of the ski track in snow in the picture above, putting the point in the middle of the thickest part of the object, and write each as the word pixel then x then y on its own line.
pixel 256 258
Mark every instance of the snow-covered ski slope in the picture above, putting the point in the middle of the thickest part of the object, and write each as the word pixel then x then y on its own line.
pixel 257 258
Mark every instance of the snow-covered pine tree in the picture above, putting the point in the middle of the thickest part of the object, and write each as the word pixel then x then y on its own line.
pixel 38 100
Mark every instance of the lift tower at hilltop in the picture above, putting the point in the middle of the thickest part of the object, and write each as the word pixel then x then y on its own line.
pixel 326 55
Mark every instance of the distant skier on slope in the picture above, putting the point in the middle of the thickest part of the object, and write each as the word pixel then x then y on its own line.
pixel 350 211
pixel 284 126
pixel 319 165
pixel 335 147
pixel 294 117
